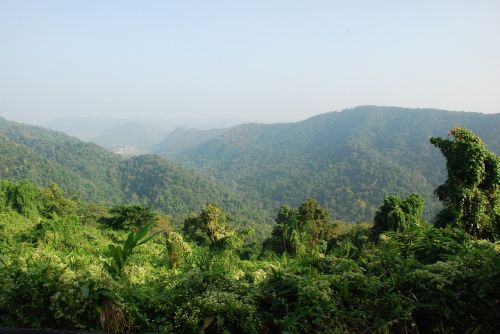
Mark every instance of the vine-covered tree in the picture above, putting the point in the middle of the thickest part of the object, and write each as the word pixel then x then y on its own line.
pixel 397 214
pixel 285 237
pixel 127 216
pixel 211 226
pixel 316 222
pixel 299 229
pixel 470 194
pixel 23 197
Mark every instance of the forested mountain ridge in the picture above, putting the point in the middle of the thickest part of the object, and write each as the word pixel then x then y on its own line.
pixel 141 135
pixel 50 156
pixel 66 264
pixel 348 160
pixel 182 139
pixel 95 174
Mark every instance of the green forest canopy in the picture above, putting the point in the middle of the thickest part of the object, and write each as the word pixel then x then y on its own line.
pixel 72 265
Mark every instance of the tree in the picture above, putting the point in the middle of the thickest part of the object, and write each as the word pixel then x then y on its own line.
pixel 397 214
pixel 470 194
pixel 299 229
pixel 211 226
pixel 316 222
pixel 56 203
pixel 127 216
pixel 177 249
pixel 23 197
pixel 285 237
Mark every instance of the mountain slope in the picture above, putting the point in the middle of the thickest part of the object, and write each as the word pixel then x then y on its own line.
pixel 78 167
pixel 182 139
pixel 141 135
pixel 95 174
pixel 348 160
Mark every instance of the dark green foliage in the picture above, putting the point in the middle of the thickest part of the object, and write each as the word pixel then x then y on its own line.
pixel 316 225
pixel 470 194
pixel 337 297
pixel 350 244
pixel 173 190
pixel 398 214
pixel 209 228
pixel 193 230
pixel 347 160
pixel 285 235
pixel 130 216
pixel 300 230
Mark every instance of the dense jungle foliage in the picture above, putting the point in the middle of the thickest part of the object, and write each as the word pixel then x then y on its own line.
pixel 68 264
pixel 346 160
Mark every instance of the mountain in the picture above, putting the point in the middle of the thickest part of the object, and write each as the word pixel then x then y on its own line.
pixel 138 134
pixel 45 156
pixel 129 137
pixel 84 128
pixel 126 137
pixel 347 160
pixel 182 139
pixel 95 174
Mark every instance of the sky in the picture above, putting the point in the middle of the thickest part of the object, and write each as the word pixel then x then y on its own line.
pixel 263 61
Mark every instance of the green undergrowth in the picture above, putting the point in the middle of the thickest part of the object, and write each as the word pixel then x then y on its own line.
pixel 424 279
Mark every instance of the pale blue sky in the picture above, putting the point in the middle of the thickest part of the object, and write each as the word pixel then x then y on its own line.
pixel 247 60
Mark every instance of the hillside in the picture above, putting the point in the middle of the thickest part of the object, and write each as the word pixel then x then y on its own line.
pixel 95 174
pixel 141 135
pixel 84 128
pixel 347 160
pixel 182 139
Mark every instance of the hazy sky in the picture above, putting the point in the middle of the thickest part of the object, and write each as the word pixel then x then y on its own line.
pixel 247 60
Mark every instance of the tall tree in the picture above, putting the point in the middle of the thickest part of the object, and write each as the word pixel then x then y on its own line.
pixel 130 216
pixel 211 226
pixel 397 214
pixel 299 229
pixel 470 194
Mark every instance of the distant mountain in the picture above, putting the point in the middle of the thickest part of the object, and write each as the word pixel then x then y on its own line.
pixel 129 137
pixel 45 156
pixel 84 128
pixel 95 174
pixel 348 160
pixel 124 136
pixel 141 135
pixel 182 139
